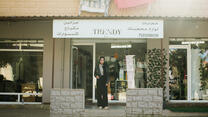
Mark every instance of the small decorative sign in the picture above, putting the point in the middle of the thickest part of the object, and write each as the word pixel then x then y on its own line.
pixel 98 6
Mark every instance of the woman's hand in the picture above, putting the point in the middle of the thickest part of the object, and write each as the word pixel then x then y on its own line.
pixel 97 77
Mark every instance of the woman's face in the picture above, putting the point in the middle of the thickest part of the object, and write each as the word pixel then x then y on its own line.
pixel 102 60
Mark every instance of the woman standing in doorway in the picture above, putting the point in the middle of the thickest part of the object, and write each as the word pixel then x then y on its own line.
pixel 102 75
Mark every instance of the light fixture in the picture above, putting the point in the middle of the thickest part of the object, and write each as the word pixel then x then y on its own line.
pixel 32 45
pixel 121 45
pixel 192 42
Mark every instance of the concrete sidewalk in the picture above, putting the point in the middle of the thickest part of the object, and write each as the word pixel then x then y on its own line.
pixel 168 113
pixel 44 111
pixel 24 113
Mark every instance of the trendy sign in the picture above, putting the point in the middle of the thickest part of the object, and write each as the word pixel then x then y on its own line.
pixel 108 29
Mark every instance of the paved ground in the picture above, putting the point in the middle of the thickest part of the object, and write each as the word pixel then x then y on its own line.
pixel 24 113
pixel 167 113
pixel 43 111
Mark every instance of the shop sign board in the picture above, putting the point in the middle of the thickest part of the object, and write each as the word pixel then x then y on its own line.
pixel 108 29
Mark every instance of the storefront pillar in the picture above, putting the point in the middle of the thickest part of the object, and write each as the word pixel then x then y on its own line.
pixel 67 63
pixel 47 69
pixel 58 63
pixel 153 43
pixel 61 63
pixel 56 67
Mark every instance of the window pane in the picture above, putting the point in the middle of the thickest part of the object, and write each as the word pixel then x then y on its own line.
pixel 178 73
pixel 199 68
pixel 21 73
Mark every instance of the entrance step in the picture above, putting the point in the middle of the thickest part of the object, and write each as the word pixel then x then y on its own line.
pixel 103 113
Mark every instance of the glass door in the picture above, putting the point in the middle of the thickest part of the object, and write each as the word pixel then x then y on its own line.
pixel 179 72
pixel 82 69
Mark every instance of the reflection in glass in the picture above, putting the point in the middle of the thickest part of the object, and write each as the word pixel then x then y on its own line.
pixel 199 69
pixel 83 69
pixel 178 74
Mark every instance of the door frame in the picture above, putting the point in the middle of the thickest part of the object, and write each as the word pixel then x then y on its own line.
pixel 188 48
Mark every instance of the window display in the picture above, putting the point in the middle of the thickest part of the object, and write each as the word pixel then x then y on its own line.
pixel 178 74
pixel 21 69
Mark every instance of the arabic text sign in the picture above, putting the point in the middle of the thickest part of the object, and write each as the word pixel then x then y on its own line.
pixel 107 29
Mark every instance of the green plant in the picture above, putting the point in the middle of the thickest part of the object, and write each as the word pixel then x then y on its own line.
pixel 157 61
pixel 156 71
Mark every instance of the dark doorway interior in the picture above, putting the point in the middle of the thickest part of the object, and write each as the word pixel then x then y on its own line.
pixel 83 69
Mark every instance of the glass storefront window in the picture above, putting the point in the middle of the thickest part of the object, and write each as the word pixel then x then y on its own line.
pixel 21 72
pixel 127 66
pixel 198 80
